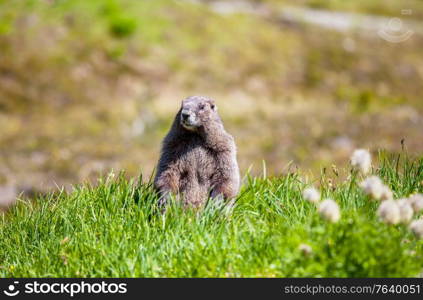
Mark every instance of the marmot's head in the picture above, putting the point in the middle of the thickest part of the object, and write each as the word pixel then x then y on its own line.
pixel 195 110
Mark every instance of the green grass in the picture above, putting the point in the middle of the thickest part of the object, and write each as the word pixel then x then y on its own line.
pixel 114 230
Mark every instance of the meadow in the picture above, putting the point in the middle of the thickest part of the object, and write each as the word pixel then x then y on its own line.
pixel 116 230
pixel 87 87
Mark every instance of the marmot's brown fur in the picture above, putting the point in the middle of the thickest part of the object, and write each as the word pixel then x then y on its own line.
pixel 198 157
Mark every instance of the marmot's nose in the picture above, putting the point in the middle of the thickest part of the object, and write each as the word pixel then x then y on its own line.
pixel 185 115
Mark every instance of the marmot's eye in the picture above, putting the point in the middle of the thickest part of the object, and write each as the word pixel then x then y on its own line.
pixel 202 106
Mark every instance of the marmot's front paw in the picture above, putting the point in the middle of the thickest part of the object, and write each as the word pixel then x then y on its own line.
pixel 164 199
pixel 217 195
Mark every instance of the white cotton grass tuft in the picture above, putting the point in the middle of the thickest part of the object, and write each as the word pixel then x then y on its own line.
pixel 329 210
pixel 373 187
pixel 416 202
pixel 305 249
pixel 361 160
pixel 417 228
pixel 389 212
pixel 406 211
pixel 312 195
pixel 386 193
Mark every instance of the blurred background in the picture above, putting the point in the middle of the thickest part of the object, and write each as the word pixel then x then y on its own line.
pixel 91 86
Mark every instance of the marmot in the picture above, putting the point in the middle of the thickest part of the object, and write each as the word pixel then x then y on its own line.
pixel 198 157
